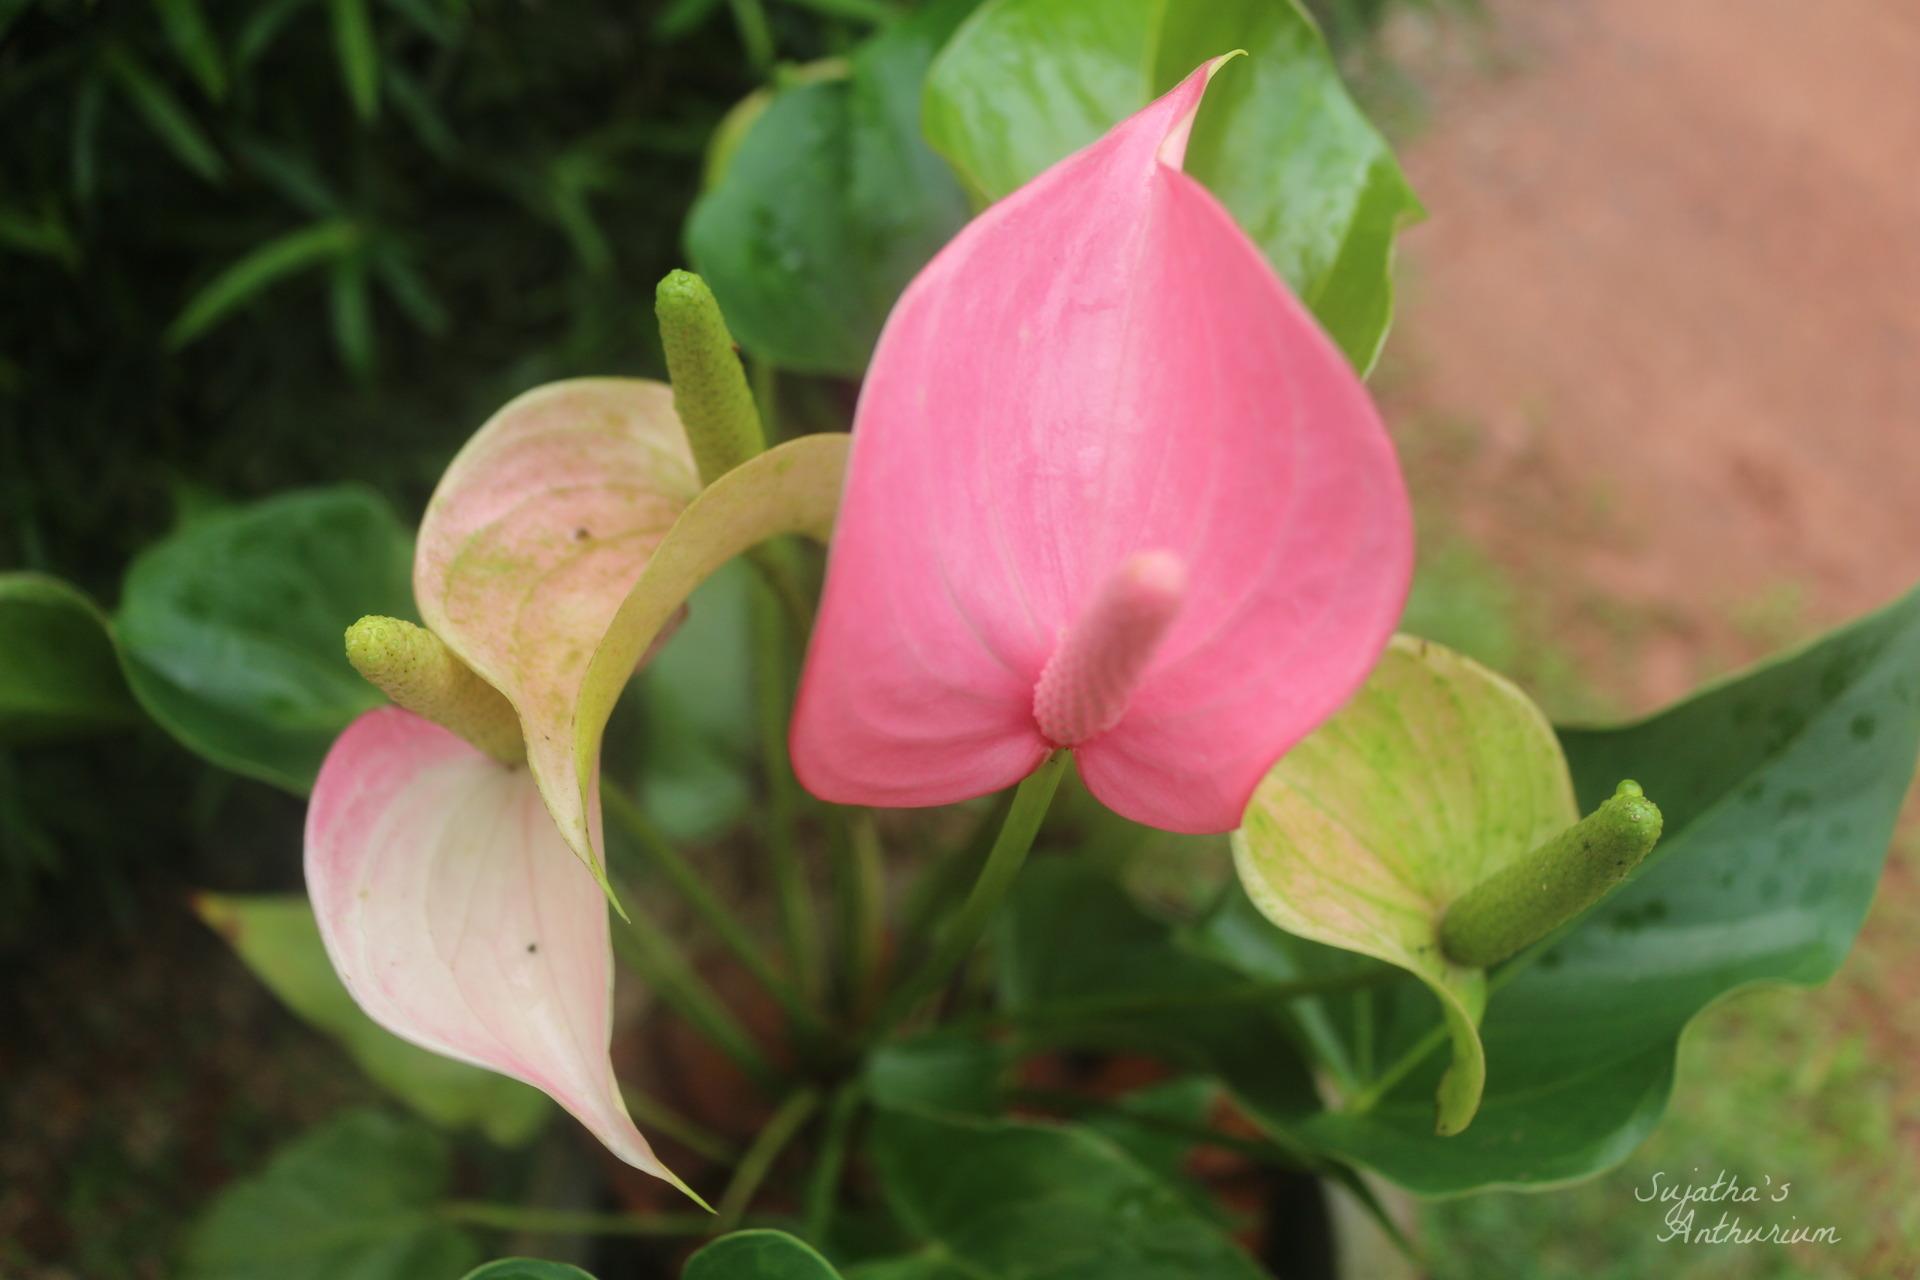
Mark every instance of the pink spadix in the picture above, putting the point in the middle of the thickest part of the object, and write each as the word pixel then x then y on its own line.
pixel 1111 487
pixel 1084 688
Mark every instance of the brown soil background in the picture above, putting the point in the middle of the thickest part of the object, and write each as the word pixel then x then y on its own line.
pixel 1658 352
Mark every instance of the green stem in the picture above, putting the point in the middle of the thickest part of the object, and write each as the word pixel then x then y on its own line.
pixel 1376 1089
pixel 859 877
pixel 655 1116
pixel 564 1222
pixel 783 798
pixel 724 923
pixel 781 1129
pixel 1364 1100
pixel 936 887
pixel 823 1186
pixel 997 874
pixel 653 955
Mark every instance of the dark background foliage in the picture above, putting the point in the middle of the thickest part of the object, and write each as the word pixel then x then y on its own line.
pixel 247 247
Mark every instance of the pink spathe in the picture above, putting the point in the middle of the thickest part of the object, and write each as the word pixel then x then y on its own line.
pixel 1101 365
pixel 459 919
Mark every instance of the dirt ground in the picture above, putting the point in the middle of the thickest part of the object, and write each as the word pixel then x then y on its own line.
pixel 1658 354
pixel 1659 347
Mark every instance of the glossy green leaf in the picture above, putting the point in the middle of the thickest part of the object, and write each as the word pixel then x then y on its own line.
pixel 1017 1200
pixel 828 204
pixel 185 23
pixel 946 1071
pixel 276 937
pixel 1026 82
pixel 320 242
pixel 758 1255
pixel 527 1269
pixel 1081 965
pixel 352 1200
pixel 165 116
pixel 231 628
pixel 59 675
pixel 1434 776
pixel 1780 788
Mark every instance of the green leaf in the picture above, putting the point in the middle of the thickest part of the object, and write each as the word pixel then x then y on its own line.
pixel 41 235
pixel 232 627
pixel 263 26
pixel 1081 965
pixel 699 732
pixel 408 290
pixel 280 257
pixel 946 1071
pixel 829 204
pixel 1027 82
pixel 165 116
pixel 758 1255
pixel 276 938
pixel 352 1200
pixel 359 55
pixel 527 1269
pixel 1016 1200
pixel 193 40
pixel 1780 788
pixel 352 312
pixel 1434 776
pixel 59 674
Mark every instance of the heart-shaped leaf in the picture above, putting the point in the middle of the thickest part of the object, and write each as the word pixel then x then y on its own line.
pixel 1081 965
pixel 1018 1201
pixel 1436 774
pixel 758 1255
pixel 356 1197
pixel 829 203
pixel 275 936
pixel 1780 788
pixel 231 627
pixel 526 1269
pixel 1025 82
pixel 59 673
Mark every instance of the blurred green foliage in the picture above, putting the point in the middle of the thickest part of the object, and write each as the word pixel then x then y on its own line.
pixel 248 246
pixel 251 246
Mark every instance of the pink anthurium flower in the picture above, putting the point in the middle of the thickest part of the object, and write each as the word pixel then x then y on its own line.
pixel 459 919
pixel 1111 489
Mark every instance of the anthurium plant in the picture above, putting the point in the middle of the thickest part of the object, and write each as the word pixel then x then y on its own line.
pixel 836 750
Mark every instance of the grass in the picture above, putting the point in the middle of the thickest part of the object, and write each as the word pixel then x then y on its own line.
pixel 1803 1087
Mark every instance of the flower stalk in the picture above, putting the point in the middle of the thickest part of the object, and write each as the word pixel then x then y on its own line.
pixel 1004 860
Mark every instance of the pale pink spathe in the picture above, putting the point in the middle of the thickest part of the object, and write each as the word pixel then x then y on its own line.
pixel 1101 365
pixel 459 919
